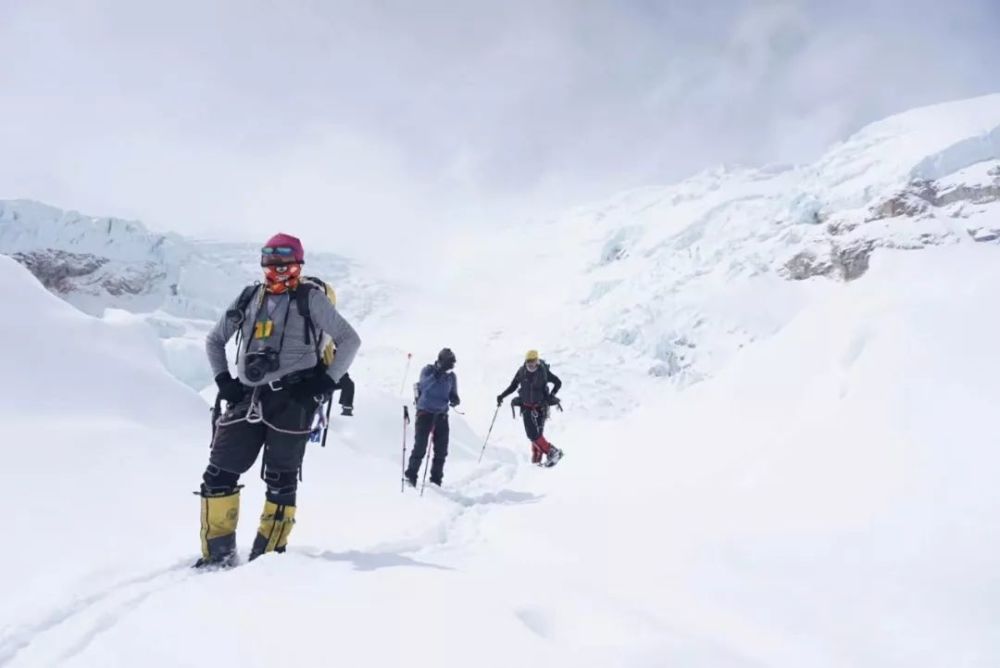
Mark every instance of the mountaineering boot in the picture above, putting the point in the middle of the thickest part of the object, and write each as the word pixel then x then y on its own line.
pixel 347 410
pixel 276 523
pixel 412 482
pixel 539 447
pixel 554 455
pixel 219 515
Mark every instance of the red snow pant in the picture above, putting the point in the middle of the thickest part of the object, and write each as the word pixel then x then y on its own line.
pixel 534 425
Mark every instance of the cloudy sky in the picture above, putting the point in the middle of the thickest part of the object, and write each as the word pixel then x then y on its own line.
pixel 354 121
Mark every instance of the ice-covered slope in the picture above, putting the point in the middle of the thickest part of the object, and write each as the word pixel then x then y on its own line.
pixel 97 263
pixel 661 282
pixel 826 500
pixel 177 286
pixel 649 285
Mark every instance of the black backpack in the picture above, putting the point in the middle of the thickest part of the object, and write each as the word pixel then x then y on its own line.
pixel 522 375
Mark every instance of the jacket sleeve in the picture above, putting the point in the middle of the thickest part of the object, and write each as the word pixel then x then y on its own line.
pixel 556 383
pixel 426 374
pixel 326 317
pixel 512 387
pixel 453 398
pixel 215 343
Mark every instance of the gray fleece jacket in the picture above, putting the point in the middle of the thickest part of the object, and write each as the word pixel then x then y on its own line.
pixel 285 334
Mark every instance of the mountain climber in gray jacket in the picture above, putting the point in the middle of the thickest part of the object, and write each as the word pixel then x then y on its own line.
pixel 437 390
pixel 281 380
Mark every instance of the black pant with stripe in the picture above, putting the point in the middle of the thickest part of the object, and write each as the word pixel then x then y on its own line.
pixel 429 424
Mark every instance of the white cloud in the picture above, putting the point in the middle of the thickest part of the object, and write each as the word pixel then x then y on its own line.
pixel 227 118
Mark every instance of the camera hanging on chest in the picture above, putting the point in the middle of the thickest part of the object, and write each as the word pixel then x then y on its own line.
pixel 265 358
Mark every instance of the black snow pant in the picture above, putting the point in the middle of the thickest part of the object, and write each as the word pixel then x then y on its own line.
pixel 534 427
pixel 534 421
pixel 346 387
pixel 427 424
pixel 238 442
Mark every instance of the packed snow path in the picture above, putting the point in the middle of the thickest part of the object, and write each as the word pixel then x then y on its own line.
pixel 409 567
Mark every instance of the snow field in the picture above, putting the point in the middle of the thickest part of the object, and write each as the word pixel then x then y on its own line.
pixel 813 485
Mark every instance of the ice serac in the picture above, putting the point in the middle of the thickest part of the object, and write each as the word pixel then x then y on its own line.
pixel 176 285
pixel 58 360
pixel 668 277
pixel 97 263
pixel 655 283
pixel 925 143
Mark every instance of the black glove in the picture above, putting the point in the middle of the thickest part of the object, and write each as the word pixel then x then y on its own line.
pixel 230 388
pixel 499 400
pixel 314 386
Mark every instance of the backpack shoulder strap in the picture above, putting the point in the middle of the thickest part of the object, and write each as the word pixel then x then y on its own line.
pixel 238 313
pixel 302 302
pixel 302 298
pixel 239 310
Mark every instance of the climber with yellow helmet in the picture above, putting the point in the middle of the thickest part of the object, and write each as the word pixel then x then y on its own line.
pixel 531 382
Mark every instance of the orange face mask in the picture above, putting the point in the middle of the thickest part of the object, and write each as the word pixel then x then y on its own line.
pixel 281 278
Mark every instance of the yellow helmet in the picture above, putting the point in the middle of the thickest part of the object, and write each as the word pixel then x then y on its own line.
pixel 532 356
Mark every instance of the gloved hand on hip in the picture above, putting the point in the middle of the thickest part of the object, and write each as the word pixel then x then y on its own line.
pixel 230 389
pixel 315 386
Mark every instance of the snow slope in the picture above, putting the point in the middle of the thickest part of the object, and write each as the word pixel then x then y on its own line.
pixel 105 465
pixel 830 497
pixel 827 500
pixel 665 282
pixel 779 442
pixel 645 286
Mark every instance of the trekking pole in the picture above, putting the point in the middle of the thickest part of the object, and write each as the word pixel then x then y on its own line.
pixel 402 470
pixel 492 422
pixel 406 373
pixel 427 460
pixel 406 423
pixel 216 412
pixel 326 425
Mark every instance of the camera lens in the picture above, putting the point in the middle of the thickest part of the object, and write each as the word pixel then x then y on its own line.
pixel 261 363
